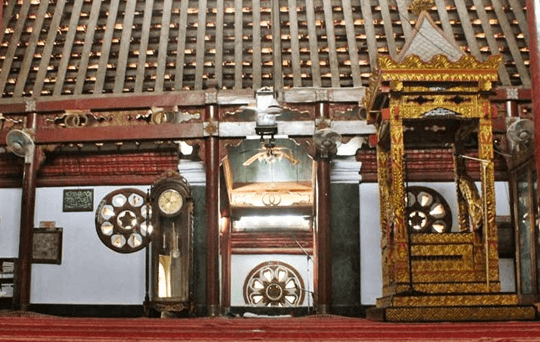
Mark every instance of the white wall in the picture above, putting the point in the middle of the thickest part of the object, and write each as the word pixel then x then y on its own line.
pixel 10 222
pixel 90 272
pixel 370 244
pixel 370 235
pixel 242 264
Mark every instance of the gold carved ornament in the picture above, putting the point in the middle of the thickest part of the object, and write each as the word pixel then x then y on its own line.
pixel 475 70
pixel 472 199
pixel 419 6
pixel 485 152
pixel 455 300
pixel 411 109
pixel 401 247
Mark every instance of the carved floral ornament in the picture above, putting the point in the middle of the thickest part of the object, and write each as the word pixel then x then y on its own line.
pixel 438 69
pixel 418 6
pixel 154 116
pixel 467 63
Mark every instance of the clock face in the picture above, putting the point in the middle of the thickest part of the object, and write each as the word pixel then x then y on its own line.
pixel 170 202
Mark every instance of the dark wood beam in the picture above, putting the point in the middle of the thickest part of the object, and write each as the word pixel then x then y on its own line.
pixel 117 133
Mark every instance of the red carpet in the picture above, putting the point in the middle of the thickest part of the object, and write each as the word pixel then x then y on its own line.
pixel 47 328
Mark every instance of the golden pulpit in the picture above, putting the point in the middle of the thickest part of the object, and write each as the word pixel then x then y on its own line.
pixel 433 97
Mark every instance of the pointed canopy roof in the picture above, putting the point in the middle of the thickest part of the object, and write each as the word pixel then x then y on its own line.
pixel 427 40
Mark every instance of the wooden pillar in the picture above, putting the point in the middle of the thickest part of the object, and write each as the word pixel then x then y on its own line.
pixel 533 16
pixel 212 211
pixel 226 263
pixel 323 236
pixel 21 298
pixel 324 243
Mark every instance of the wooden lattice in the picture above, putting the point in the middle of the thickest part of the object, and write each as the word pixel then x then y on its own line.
pixel 73 48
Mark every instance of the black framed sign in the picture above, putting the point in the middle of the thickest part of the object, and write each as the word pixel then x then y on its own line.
pixel 78 200
pixel 47 246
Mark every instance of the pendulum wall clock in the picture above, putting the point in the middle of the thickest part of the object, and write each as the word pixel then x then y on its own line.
pixel 171 257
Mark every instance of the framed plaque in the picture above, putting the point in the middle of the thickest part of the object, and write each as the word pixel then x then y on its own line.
pixel 78 200
pixel 47 246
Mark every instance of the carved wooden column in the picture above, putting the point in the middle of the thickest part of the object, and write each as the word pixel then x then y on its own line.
pixel 533 16
pixel 21 298
pixel 487 177
pixel 212 209
pixel 385 186
pixel 401 237
pixel 323 238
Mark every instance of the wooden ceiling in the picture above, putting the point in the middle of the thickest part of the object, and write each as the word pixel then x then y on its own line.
pixel 83 48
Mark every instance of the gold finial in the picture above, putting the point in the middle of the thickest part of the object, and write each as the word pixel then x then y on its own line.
pixel 419 6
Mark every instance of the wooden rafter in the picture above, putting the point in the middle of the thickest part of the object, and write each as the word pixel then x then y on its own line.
pixel 87 48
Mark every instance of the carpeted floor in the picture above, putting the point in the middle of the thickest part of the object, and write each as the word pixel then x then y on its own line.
pixel 330 328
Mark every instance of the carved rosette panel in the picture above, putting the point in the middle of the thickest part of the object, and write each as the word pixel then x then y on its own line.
pixel 274 284
pixel 427 211
pixel 123 220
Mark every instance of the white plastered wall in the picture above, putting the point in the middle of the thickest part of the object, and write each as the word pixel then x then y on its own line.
pixel 10 221
pixel 90 272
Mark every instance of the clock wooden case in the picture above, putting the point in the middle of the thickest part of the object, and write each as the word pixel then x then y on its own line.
pixel 171 252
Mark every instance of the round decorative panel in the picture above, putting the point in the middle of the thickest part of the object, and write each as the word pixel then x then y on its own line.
pixel 123 221
pixel 427 211
pixel 274 284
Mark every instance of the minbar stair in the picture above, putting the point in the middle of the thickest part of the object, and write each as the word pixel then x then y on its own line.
pixel 451 307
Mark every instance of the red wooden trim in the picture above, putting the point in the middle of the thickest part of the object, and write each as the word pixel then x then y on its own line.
pixel 435 165
pixel 117 133
pixel 275 242
pixel 249 251
pixel 96 181
pixel 10 183
pixel 524 94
